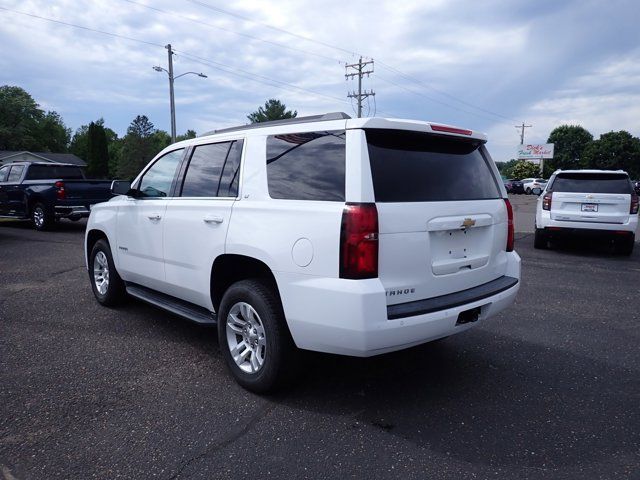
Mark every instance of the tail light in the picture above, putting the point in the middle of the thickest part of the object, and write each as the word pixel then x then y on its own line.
pixel 546 201
pixel 634 204
pixel 448 129
pixel 510 232
pixel 359 241
pixel 61 193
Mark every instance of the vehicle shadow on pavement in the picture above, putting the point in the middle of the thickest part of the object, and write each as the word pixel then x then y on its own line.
pixel 60 226
pixel 483 399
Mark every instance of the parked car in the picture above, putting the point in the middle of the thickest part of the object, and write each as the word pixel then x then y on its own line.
pixel 588 202
pixel 531 184
pixel 516 186
pixel 636 186
pixel 47 192
pixel 347 236
pixel 508 185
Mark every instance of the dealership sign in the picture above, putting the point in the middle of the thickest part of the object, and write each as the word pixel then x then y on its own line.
pixel 529 152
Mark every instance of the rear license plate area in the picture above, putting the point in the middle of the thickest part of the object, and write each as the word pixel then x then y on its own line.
pixel 589 207
pixel 468 316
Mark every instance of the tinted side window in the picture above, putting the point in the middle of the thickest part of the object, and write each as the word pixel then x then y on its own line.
pixel 15 173
pixel 592 183
pixel 158 179
pixel 43 172
pixel 419 167
pixel 4 171
pixel 306 166
pixel 205 171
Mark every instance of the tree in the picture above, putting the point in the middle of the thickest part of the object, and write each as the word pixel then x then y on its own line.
pixel 507 168
pixel 612 151
pixel 24 126
pixel 138 147
pixel 273 110
pixel 524 169
pixel 98 151
pixel 569 144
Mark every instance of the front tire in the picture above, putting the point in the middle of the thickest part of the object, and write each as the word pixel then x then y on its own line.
pixel 540 240
pixel 107 286
pixel 41 217
pixel 254 338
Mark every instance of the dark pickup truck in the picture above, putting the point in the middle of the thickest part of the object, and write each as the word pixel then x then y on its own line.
pixel 46 192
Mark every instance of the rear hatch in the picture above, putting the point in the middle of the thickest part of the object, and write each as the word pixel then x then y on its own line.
pixel 442 218
pixel 591 197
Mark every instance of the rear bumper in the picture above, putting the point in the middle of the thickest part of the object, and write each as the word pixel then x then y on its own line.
pixel 543 220
pixel 72 211
pixel 350 317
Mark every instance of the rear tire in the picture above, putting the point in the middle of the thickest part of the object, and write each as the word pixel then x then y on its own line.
pixel 107 286
pixel 624 246
pixel 42 218
pixel 540 240
pixel 528 191
pixel 254 337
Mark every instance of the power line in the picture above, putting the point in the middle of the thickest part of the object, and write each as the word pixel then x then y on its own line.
pixel 441 102
pixel 211 63
pixel 277 29
pixel 116 35
pixel 228 30
pixel 341 49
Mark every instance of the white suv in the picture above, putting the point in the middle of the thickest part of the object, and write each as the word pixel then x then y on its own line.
pixel 339 235
pixel 588 202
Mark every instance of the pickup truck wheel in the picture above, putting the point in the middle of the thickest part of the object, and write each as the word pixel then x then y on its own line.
pixel 254 338
pixel 106 284
pixel 41 218
pixel 540 240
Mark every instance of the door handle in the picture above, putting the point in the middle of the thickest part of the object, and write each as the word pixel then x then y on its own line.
pixel 213 219
pixel 155 216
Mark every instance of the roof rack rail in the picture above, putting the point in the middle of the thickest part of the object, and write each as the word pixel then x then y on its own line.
pixel 271 123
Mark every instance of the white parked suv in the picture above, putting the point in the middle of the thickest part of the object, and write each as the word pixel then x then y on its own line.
pixel 588 202
pixel 530 184
pixel 325 233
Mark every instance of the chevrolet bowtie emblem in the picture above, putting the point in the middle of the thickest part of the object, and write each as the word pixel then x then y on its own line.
pixel 468 222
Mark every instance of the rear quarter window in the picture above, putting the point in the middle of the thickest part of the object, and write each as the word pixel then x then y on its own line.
pixel 306 166
pixel 592 183
pixel 420 167
pixel 45 172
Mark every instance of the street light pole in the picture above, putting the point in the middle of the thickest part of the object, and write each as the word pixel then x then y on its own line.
pixel 172 78
pixel 171 97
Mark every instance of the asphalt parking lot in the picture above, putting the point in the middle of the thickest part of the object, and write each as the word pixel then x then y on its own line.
pixel 550 389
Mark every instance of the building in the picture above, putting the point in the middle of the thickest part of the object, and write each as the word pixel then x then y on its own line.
pixel 7 156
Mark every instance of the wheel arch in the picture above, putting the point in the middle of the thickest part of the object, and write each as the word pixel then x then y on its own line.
pixel 91 239
pixel 230 268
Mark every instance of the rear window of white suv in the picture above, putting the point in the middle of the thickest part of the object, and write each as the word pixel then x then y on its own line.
pixel 420 167
pixel 592 183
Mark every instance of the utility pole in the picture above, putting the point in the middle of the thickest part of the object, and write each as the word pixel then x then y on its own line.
pixel 171 97
pixel 359 72
pixel 521 128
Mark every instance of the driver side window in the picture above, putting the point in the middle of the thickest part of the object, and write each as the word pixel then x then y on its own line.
pixel 4 171
pixel 156 182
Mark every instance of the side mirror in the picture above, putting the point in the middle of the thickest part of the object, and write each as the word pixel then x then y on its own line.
pixel 536 191
pixel 121 187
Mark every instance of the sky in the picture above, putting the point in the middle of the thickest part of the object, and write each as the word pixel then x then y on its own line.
pixel 486 65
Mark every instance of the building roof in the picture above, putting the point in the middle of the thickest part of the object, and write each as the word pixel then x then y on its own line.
pixel 5 157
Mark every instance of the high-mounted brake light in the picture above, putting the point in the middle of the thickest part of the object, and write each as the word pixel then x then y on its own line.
pixel 546 201
pixel 446 129
pixel 359 241
pixel 510 231
pixel 61 193
pixel 634 204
